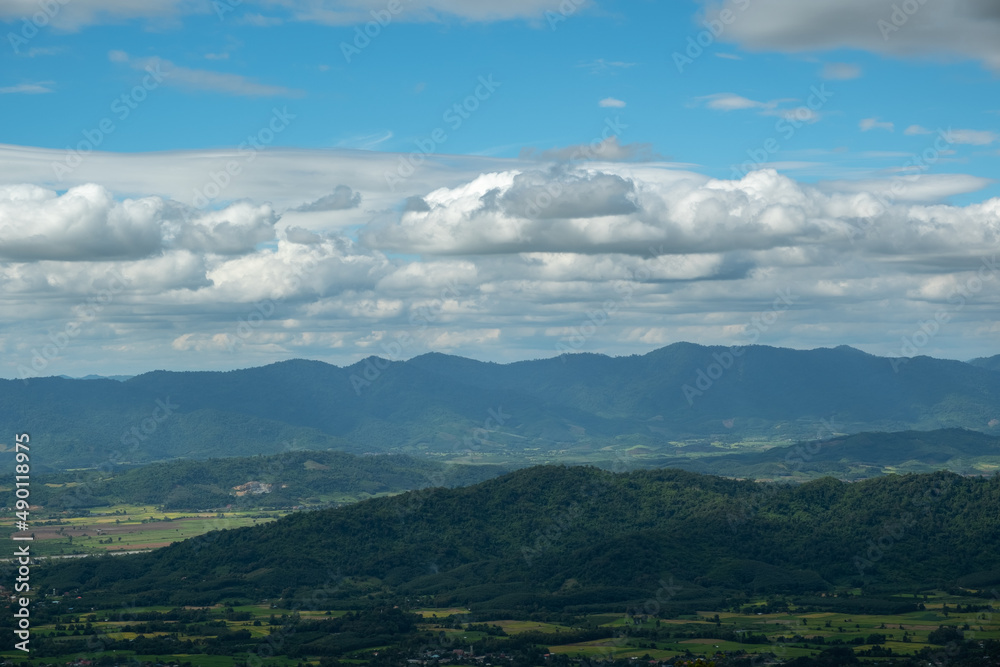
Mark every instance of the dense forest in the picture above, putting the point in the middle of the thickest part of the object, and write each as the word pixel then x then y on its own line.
pixel 580 539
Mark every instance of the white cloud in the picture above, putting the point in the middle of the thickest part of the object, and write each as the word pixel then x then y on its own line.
pixel 504 254
pixel 733 102
pixel 868 124
pixel 960 28
pixel 971 137
pixel 916 129
pixel 88 223
pixel 203 80
pixel 27 88
pixel 611 102
pixel 72 16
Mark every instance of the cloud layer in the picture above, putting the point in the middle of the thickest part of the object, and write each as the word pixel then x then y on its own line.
pixel 502 262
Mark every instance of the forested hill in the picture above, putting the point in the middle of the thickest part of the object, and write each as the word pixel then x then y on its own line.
pixel 576 538
pixel 450 405
pixel 281 480
pixel 991 363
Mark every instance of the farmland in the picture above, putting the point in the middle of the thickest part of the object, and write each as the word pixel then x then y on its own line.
pixel 241 629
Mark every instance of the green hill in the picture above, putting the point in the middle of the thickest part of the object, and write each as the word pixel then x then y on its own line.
pixel 580 539
pixel 282 480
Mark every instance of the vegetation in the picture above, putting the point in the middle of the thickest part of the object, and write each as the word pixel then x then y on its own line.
pixel 278 481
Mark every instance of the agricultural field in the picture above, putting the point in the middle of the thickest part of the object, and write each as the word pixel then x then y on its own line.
pixel 785 635
pixel 127 528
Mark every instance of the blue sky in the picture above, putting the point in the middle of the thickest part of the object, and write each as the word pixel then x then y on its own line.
pixel 704 155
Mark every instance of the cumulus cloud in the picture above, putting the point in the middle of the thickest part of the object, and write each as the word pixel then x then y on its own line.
pixel 961 28
pixel 611 103
pixel 87 223
pixel 342 198
pixel 234 230
pixel 594 212
pixel 498 258
pixel 83 223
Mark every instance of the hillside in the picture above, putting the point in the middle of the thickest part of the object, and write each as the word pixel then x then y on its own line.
pixel 989 363
pixel 278 481
pixel 575 407
pixel 858 456
pixel 579 539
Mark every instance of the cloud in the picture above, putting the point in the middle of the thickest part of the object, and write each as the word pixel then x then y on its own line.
pixel 602 212
pixel 611 102
pixel 342 198
pixel 868 124
pixel 840 72
pixel 508 255
pixel 728 56
pixel 971 137
pixel 259 20
pixel 923 188
pixel 203 80
pixel 733 102
pixel 916 129
pixel 73 16
pixel 961 28
pixel 606 150
pixel 351 12
pixel 39 88
pixel 87 223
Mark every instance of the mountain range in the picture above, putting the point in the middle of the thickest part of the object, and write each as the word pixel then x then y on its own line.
pixel 575 407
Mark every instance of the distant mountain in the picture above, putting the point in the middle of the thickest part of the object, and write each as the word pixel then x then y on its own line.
pixel 859 456
pixel 580 406
pixel 120 378
pixel 990 363
pixel 580 539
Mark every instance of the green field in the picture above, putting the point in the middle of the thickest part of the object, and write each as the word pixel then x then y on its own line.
pixel 127 528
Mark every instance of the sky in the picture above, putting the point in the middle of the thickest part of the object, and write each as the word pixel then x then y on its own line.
pixel 219 184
